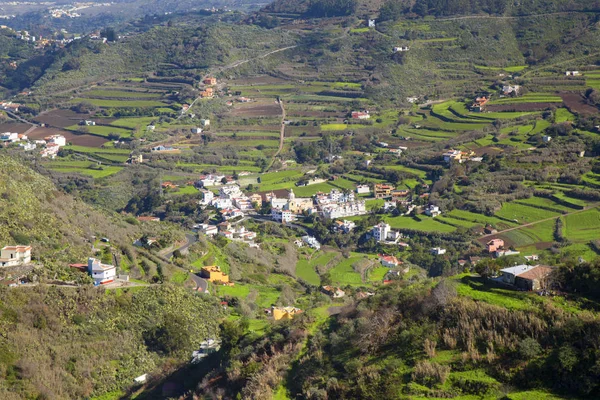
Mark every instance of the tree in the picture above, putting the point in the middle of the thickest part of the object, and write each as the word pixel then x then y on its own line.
pixel 109 34
pixel 529 348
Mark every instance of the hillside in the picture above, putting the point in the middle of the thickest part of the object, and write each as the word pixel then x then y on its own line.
pixel 391 9
pixel 82 343
pixel 187 48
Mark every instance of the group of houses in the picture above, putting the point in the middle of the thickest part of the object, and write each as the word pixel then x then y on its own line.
pixel 459 156
pixel 10 106
pixel 50 145
pixel 497 248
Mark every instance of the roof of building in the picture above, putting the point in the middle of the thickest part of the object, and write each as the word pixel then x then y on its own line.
pixel 17 248
pixel 517 269
pixel 537 272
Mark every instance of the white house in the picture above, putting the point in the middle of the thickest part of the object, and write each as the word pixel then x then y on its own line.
pixel 547 138
pixel 345 226
pixel 282 215
pixel 400 49
pixel 438 251
pixel 363 189
pixel 197 130
pixel 205 122
pixel 15 255
pixel 101 273
pixel 382 232
pixel 371 23
pixel 572 73
pixel 503 253
pixel 208 230
pixel 311 242
pixel 28 146
pixel 207 196
pixel 58 140
pixel 9 137
pixel 432 211
pixel 343 210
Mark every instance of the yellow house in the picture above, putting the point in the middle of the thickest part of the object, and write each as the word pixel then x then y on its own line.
pixel 256 198
pixel 285 313
pixel 213 273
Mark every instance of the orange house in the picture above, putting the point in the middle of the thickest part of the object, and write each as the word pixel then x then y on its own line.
pixel 211 81
pixel 213 273
pixel 494 245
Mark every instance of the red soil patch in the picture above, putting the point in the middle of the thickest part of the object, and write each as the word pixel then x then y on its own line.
pixel 78 140
pixel 521 107
pixel 257 110
pixel 61 118
pixel 14 127
pixel 575 103
pixel 544 245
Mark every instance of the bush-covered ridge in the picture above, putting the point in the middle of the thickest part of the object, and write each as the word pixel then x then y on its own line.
pixel 76 343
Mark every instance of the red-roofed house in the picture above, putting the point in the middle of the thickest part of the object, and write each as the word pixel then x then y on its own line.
pixel 389 261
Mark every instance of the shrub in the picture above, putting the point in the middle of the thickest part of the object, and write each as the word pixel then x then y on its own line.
pixel 430 373
pixel 529 348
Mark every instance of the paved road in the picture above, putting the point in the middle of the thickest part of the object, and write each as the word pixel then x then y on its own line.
pixel 200 283
pixel 190 240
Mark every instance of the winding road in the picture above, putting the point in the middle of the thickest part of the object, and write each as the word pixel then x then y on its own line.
pixel 190 240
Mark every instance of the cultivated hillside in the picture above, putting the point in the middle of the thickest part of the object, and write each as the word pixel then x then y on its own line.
pixel 184 47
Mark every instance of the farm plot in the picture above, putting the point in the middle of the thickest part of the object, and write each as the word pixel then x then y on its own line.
pixel 73 138
pixel 101 130
pixel 83 167
pixel 120 94
pixel 119 103
pixel 344 273
pixel 426 224
pixel 541 235
pixel 481 219
pixel 583 226
pixel 521 213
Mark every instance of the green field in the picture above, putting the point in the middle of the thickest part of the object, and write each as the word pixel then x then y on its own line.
pixel 94 173
pixel 583 226
pixel 120 94
pixel 427 224
pixel 306 271
pixel 100 130
pixel 343 273
pixel 524 214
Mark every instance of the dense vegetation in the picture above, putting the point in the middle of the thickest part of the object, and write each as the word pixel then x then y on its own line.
pixel 76 343
pixel 417 340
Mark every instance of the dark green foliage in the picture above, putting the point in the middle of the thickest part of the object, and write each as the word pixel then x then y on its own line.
pixel 331 8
